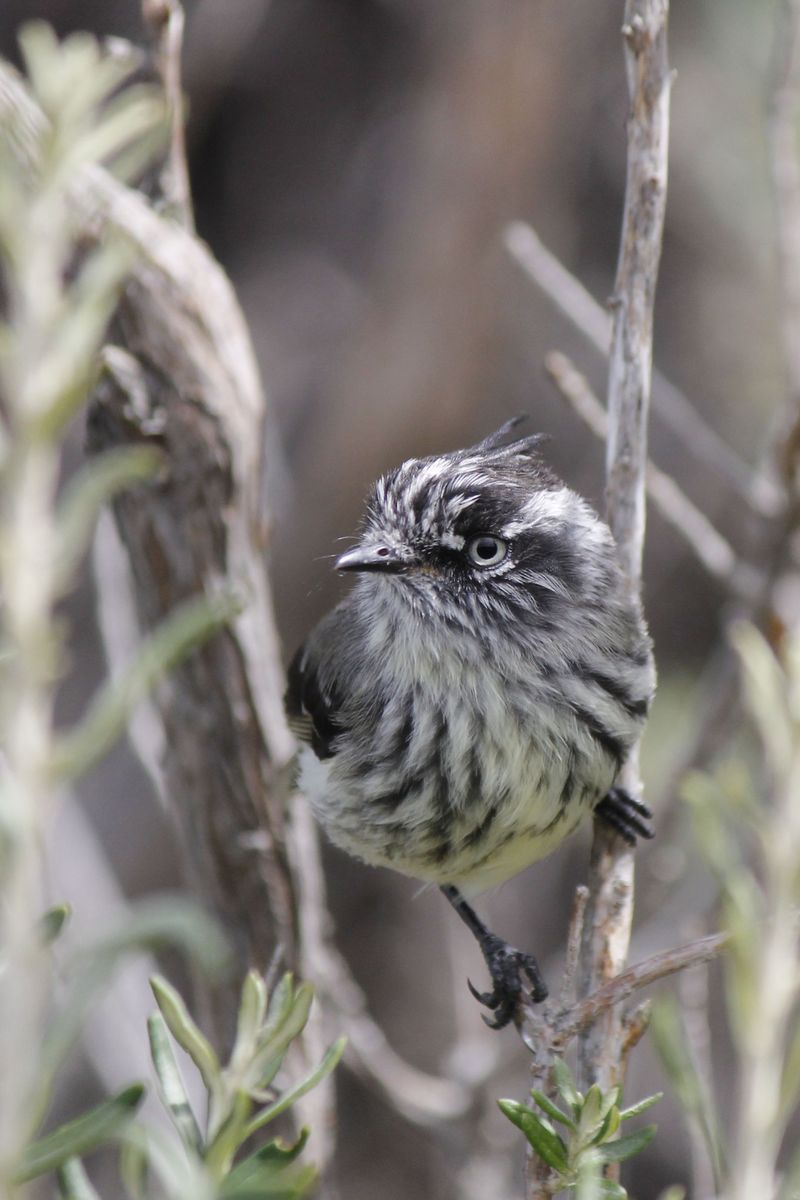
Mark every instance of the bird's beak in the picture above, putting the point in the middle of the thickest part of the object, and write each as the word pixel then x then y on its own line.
pixel 373 557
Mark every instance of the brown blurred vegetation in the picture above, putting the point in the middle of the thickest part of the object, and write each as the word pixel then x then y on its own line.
pixel 354 163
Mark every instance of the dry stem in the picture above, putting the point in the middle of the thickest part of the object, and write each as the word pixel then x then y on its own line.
pixel 710 548
pixel 698 438
pixel 610 906
pixel 165 21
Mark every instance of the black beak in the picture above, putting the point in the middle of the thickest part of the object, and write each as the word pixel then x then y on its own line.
pixel 378 557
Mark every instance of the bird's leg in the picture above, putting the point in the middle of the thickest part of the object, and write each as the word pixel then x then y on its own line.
pixel 506 964
pixel 628 816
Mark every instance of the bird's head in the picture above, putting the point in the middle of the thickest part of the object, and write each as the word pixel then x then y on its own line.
pixel 489 524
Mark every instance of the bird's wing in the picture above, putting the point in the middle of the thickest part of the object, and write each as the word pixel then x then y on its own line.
pixel 312 707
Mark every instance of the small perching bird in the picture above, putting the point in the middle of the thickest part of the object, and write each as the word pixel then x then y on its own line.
pixel 475 695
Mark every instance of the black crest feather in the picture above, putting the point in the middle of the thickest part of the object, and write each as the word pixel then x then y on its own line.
pixel 496 442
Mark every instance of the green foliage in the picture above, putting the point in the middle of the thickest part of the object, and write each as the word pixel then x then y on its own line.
pixel 589 1137
pixel 94 1128
pixel 672 1044
pixel 745 819
pixel 197 1162
pixel 61 284
pixel 240 1100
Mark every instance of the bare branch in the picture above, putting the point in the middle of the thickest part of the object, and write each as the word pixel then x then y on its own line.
pixel 549 1029
pixel 610 907
pixel 709 547
pixel 677 412
pixel 164 20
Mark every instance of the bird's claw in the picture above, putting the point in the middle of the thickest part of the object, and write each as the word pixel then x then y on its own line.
pixel 509 969
pixel 627 815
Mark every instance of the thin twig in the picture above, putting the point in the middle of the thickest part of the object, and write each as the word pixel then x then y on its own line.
pixel 551 1028
pixel 710 548
pixel 610 907
pixel 671 405
pixel 164 20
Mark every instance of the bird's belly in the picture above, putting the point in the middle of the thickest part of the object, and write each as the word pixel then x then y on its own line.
pixel 476 802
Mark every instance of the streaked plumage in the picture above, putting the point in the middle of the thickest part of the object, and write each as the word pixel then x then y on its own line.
pixel 459 719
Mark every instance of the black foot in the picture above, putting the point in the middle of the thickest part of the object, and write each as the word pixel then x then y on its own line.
pixel 507 966
pixel 629 817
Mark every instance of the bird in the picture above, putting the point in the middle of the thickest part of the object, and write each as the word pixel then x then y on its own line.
pixel 474 696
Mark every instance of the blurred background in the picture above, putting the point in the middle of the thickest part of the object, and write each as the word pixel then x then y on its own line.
pixel 354 166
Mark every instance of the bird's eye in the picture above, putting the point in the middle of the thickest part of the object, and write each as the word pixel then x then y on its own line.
pixel 487 550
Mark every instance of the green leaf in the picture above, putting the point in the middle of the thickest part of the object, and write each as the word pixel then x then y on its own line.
pixel 274 1040
pixel 252 1009
pixel 151 924
pixel 641 1106
pixel 626 1147
pixel 552 1109
pixel 267 1184
pixel 173 1090
pixel 73 1182
pixel 332 1056
pixel 180 1176
pixel 278 1152
pixel 610 1125
pixel 671 1043
pixel 274 1158
pixel 79 1136
pixel 185 1031
pixel 280 1005
pixel 133 1168
pixel 547 1145
pixel 187 627
pixel 566 1085
pixel 89 490
pixel 230 1135
pixel 765 694
pixel 592 1114
pixel 53 921
pixel 675 1192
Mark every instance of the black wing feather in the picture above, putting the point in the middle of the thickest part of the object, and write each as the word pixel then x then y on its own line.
pixel 310 710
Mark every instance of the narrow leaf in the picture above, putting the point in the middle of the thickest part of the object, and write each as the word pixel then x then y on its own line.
pixel 610 1125
pixel 231 1134
pixel 53 921
pixel 173 1090
pixel 79 1136
pixel 289 1097
pixel 552 1109
pixel 566 1085
pixel 73 1182
pixel 185 1031
pixel 274 1156
pixel 187 627
pixel 547 1145
pixel 641 1106
pixel 93 486
pixel 274 1041
pixel 591 1116
pixel 133 1168
pixel 267 1184
pixel 252 1009
pixel 626 1147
